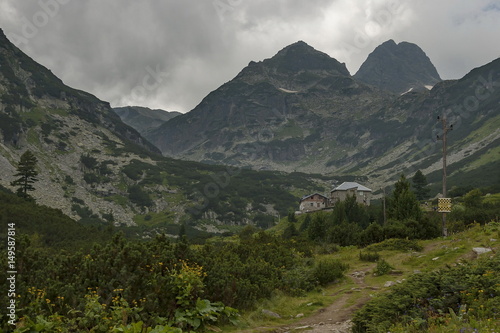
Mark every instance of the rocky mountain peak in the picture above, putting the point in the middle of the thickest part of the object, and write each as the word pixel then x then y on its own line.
pixel 296 67
pixel 300 56
pixel 398 68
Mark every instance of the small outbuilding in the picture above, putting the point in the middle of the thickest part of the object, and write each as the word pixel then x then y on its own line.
pixel 313 202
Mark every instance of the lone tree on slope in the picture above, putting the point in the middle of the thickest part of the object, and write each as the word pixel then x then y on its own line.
pixel 420 185
pixel 403 203
pixel 26 171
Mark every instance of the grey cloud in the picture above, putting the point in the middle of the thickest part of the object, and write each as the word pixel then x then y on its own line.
pixel 110 48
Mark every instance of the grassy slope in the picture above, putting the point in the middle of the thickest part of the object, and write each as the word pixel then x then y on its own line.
pixel 351 292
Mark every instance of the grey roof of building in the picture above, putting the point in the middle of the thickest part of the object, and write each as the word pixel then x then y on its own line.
pixel 310 195
pixel 349 185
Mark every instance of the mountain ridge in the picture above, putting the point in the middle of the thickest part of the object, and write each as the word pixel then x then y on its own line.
pixel 316 121
pixel 265 96
pixel 144 119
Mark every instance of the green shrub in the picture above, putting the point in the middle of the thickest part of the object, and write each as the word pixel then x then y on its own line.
pixel 382 268
pixel 78 201
pixel 88 161
pixel 138 196
pixel 90 178
pixel 299 280
pixel 69 180
pixel 396 244
pixel 10 126
pixel 464 294
pixel 327 248
pixel 136 169
pixel 329 270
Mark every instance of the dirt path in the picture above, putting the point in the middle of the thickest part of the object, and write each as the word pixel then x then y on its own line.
pixel 337 316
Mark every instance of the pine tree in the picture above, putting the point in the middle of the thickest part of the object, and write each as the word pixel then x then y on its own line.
pixel 26 171
pixel 290 231
pixel 420 185
pixel 317 228
pixel 403 204
pixel 305 224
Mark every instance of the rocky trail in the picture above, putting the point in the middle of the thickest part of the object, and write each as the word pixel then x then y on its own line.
pixel 337 316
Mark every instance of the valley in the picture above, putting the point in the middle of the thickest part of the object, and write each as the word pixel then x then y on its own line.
pixel 131 219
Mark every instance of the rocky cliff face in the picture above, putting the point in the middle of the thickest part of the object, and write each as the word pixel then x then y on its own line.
pixel 60 125
pixel 398 68
pixel 27 85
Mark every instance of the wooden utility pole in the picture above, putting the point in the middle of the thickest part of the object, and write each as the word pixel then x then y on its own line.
pixel 443 138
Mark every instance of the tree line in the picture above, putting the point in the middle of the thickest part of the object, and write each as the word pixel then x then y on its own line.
pixel 352 223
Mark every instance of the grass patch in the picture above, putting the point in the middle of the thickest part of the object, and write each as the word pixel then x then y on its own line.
pixel 33 137
pixel 493 199
pixel 287 307
pixel 174 198
pixel 38 115
pixel 290 130
pixel 155 219
pixel 492 155
pixel 60 112
pixel 486 129
pixel 118 199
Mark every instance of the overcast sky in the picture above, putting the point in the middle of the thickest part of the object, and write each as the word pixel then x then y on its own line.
pixel 170 54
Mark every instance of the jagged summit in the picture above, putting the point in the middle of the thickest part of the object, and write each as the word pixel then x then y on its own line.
pixel 296 67
pixel 300 56
pixel 398 68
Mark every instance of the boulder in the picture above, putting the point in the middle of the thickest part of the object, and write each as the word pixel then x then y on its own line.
pixel 481 250
pixel 270 314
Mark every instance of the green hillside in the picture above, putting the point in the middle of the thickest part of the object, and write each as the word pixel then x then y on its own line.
pixel 438 285
pixel 71 277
